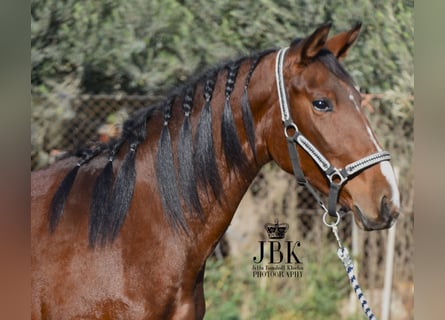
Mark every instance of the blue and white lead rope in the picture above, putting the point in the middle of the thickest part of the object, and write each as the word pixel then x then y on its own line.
pixel 343 255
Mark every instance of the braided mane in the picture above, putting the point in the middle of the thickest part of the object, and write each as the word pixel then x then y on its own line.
pixel 197 165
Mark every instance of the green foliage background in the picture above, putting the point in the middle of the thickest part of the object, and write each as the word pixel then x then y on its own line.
pixel 146 47
pixel 139 46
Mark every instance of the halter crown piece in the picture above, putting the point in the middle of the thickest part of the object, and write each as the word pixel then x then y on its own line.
pixel 337 177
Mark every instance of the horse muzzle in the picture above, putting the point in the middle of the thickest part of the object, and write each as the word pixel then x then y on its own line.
pixel 386 218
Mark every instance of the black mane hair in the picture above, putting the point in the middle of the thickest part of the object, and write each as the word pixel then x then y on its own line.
pixel 204 160
pixel 110 202
pixel 166 174
pixel 197 166
pixel 233 152
pixel 187 180
pixel 249 126
pixel 58 201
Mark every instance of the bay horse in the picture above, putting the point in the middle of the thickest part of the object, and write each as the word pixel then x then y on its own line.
pixel 123 231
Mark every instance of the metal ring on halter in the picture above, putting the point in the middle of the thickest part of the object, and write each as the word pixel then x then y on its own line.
pixel 334 224
pixel 337 177
pixel 288 127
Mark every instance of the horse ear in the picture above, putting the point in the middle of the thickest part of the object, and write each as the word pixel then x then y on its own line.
pixel 310 46
pixel 339 45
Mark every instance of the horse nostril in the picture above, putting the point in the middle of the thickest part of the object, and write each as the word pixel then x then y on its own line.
pixel 385 209
pixel 388 211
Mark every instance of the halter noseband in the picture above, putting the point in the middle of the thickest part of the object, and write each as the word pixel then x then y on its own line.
pixel 337 177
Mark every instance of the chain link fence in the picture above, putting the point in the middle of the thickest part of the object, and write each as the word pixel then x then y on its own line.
pixel 86 120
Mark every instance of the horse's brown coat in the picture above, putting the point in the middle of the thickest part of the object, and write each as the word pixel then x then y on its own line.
pixel 151 272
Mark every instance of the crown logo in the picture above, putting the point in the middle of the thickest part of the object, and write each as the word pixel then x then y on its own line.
pixel 276 231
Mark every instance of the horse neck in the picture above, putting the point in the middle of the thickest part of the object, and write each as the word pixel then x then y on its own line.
pixel 236 178
pixel 202 153
pixel 240 169
pixel 203 158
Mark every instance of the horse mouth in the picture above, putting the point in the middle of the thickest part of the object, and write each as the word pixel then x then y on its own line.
pixel 385 220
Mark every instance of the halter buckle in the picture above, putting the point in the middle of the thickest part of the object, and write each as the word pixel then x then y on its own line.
pixel 336 177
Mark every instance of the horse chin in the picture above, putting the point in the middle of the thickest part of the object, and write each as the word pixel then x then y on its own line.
pixel 344 210
pixel 386 219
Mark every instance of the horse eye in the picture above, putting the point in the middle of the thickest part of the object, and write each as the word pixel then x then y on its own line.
pixel 322 105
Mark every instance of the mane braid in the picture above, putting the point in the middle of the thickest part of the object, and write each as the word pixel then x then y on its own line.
pixel 99 207
pixel 166 175
pixel 101 222
pixel 249 125
pixel 187 179
pixel 59 199
pixel 204 160
pixel 123 188
pixel 235 158
pixel 197 165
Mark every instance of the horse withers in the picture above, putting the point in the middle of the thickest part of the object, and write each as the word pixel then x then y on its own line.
pixel 123 231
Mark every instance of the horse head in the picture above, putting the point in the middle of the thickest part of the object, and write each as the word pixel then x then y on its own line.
pixel 326 107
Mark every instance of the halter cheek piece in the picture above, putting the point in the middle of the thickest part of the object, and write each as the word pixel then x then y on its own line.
pixel 336 177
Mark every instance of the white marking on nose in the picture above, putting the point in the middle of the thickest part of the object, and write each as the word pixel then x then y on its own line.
pixel 388 172
pixel 371 135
